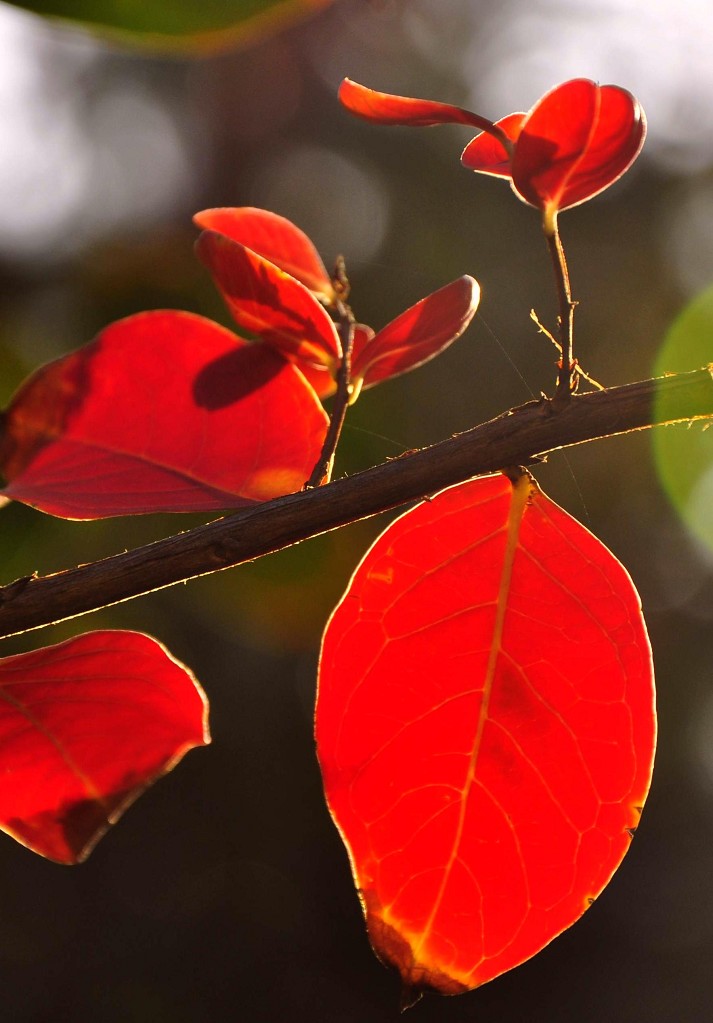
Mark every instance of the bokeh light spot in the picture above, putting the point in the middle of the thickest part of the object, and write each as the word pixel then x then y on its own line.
pixel 350 216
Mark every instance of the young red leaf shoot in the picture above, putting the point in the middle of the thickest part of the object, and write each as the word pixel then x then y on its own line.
pixel 263 263
pixel 485 726
pixel 85 727
pixel 575 142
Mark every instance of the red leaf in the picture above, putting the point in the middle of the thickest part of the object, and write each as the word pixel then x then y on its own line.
pixel 85 727
pixel 164 411
pixel 266 301
pixel 383 108
pixel 486 155
pixel 486 727
pixel 274 238
pixel 418 334
pixel 578 140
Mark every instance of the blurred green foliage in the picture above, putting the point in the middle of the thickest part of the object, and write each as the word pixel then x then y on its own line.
pixel 684 452
pixel 176 23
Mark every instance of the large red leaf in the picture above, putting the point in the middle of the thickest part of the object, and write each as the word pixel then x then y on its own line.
pixel 575 142
pixel 486 728
pixel 274 238
pixel 266 301
pixel 164 411
pixel 418 334
pixel 85 727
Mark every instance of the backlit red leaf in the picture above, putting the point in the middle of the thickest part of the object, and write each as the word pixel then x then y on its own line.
pixel 384 108
pixel 274 238
pixel 485 726
pixel 266 301
pixel 576 142
pixel 85 727
pixel 319 378
pixel 164 411
pixel 486 155
pixel 418 334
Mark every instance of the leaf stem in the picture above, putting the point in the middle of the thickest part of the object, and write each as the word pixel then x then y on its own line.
pixel 495 131
pixel 566 381
pixel 322 471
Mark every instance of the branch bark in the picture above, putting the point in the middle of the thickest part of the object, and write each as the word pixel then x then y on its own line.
pixel 517 437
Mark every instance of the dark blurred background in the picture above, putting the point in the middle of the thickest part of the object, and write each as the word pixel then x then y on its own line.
pixel 225 894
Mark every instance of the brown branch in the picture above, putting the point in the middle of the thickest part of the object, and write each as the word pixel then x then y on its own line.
pixel 515 438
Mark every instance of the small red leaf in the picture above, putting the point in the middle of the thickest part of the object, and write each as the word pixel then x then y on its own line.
pixel 486 155
pixel 85 727
pixel 164 411
pixel 266 301
pixel 485 726
pixel 274 238
pixel 418 334
pixel 383 108
pixel 576 141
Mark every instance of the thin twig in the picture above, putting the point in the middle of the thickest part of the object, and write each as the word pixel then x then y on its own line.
pixel 576 368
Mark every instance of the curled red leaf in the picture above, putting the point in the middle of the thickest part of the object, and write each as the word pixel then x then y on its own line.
pixel 384 108
pixel 164 411
pixel 85 727
pixel 575 142
pixel 485 726
pixel 579 139
pixel 266 301
pixel 274 238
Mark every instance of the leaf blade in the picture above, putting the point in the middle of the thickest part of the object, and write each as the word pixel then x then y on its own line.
pixel 479 825
pixel 85 727
pixel 273 237
pixel 575 142
pixel 386 108
pixel 266 301
pixel 163 411
pixel 418 334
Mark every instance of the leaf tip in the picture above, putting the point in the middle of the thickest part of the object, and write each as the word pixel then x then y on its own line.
pixel 394 949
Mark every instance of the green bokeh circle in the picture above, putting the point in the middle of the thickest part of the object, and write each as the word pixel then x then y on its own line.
pixel 684 452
